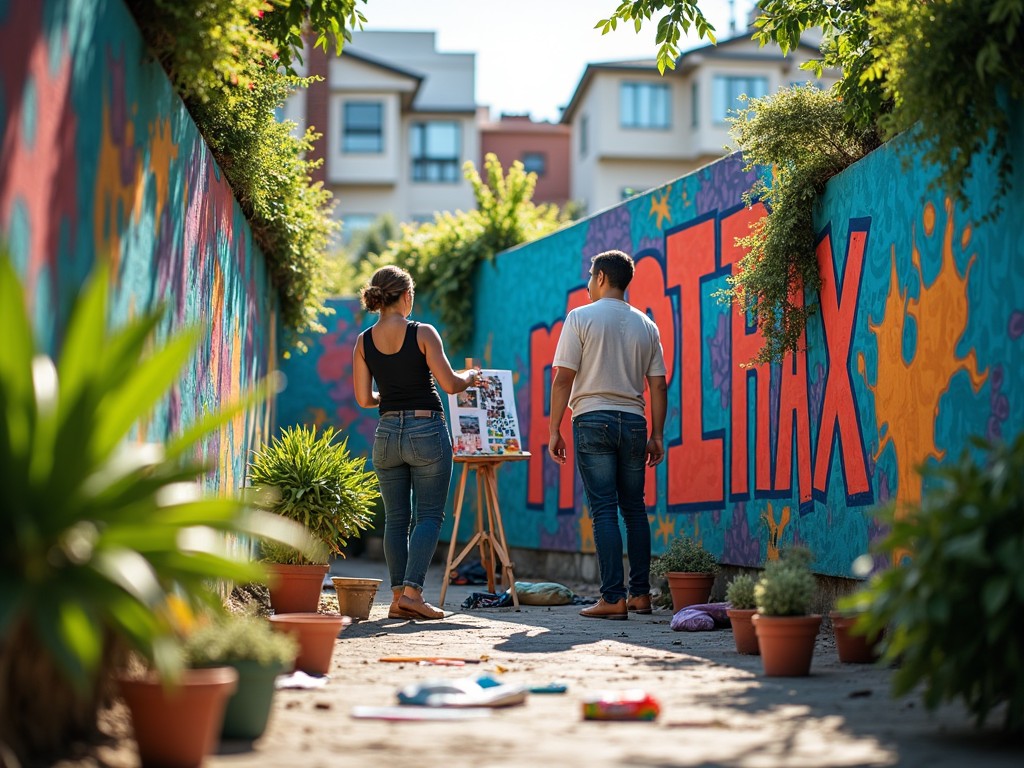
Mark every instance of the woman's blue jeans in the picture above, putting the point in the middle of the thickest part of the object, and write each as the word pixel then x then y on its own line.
pixel 412 456
pixel 611 452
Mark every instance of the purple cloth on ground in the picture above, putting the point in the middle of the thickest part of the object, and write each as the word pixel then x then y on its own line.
pixel 701 618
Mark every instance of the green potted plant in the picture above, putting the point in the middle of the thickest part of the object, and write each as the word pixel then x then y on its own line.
pixel 957 590
pixel 742 607
pixel 100 534
pixel 257 653
pixel 786 629
pixel 309 477
pixel 690 571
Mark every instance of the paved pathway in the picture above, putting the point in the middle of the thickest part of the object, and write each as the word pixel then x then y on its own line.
pixel 717 709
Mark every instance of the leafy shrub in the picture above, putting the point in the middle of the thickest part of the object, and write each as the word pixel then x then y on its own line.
pixel 315 481
pixel 802 134
pixel 686 556
pixel 786 587
pixel 953 610
pixel 443 256
pixel 230 61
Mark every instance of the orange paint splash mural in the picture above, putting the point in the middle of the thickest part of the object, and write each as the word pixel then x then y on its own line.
pixel 909 389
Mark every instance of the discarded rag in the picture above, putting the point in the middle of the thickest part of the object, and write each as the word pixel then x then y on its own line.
pixel 701 618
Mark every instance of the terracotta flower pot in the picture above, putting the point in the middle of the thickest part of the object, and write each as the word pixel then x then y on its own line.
pixel 355 595
pixel 689 588
pixel 786 643
pixel 178 726
pixel 743 630
pixel 853 649
pixel 315 633
pixel 295 588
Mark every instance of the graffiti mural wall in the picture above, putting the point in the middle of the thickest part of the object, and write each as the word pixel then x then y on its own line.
pixel 916 346
pixel 101 161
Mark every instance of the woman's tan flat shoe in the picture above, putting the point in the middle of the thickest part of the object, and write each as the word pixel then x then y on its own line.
pixel 414 609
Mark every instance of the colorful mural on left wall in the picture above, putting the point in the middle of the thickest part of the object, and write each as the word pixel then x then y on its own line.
pixel 101 161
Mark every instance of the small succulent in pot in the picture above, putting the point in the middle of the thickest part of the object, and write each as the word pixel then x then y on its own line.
pixel 684 555
pixel 786 588
pixel 740 592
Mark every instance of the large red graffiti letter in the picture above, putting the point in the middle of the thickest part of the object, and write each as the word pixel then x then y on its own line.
pixel 745 347
pixel 695 466
pixel 647 293
pixel 838 409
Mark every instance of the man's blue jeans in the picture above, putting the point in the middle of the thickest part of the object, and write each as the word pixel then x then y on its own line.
pixel 611 449
pixel 412 456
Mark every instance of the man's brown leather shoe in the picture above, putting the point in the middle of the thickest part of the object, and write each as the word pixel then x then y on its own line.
pixel 638 604
pixel 602 610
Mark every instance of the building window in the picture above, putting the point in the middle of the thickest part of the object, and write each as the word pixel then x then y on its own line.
pixel 695 104
pixel 436 151
pixel 726 92
pixel 584 135
pixel 354 224
pixel 363 130
pixel 643 105
pixel 535 162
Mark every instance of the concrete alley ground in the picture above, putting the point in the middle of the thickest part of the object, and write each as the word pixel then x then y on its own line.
pixel 717 708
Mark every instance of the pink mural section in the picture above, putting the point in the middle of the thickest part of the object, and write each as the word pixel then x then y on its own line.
pixel 102 163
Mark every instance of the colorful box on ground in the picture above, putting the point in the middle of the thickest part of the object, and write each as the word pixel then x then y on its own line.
pixel 621 705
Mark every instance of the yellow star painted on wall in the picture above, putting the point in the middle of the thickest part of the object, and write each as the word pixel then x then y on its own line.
pixel 659 207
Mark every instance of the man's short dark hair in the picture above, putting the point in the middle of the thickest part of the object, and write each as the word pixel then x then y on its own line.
pixel 617 267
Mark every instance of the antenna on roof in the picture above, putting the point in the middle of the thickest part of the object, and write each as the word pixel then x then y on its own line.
pixel 732 17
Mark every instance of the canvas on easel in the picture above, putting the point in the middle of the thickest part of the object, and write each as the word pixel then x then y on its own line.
pixel 483 419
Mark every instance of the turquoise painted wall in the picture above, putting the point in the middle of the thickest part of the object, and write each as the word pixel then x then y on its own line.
pixel 917 345
pixel 101 161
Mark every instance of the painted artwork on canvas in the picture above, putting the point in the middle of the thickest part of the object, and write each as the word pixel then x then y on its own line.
pixel 483 418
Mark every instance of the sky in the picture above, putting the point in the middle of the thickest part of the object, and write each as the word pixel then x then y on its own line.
pixel 530 54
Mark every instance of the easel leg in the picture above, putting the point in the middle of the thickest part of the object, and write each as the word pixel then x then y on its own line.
pixel 483 530
pixel 498 541
pixel 460 494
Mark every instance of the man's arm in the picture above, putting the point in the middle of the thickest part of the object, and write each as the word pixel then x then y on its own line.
pixel 561 388
pixel 659 405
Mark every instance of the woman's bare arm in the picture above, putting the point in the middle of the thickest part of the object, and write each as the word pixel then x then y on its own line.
pixel 362 381
pixel 433 348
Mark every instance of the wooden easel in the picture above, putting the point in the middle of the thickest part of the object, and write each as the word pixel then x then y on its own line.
pixel 490 533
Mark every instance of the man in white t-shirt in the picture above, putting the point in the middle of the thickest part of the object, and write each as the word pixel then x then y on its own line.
pixel 606 353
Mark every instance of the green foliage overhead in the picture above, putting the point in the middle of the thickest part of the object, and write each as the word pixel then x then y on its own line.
pixel 950 68
pixel 100 534
pixel 680 16
pixel 231 62
pixel 802 135
pixel 443 256
pixel 315 481
pixel 952 611
pixel 684 555
pixel 786 587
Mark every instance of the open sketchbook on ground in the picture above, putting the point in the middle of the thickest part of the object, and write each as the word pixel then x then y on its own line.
pixel 483 419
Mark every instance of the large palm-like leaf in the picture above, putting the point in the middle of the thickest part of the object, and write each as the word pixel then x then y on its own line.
pixel 99 535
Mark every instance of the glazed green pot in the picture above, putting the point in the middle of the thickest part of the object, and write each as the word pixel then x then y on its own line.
pixel 249 709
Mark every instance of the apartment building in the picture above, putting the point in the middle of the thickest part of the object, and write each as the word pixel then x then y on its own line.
pixel 399 121
pixel 632 128
pixel 542 148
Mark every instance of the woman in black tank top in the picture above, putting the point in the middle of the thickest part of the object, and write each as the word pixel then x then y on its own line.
pixel 412 449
